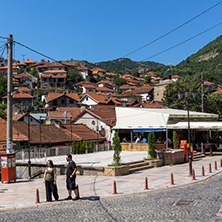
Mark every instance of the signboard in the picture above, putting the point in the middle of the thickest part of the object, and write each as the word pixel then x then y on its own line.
pixel 4 162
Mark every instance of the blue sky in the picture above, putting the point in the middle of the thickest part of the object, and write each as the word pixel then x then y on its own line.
pixel 102 30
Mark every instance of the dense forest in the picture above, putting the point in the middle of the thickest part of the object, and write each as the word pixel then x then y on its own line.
pixel 119 65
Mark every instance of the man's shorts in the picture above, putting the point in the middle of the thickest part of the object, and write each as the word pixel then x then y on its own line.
pixel 71 183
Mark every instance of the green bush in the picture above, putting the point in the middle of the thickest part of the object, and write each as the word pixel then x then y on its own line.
pixel 117 149
pixel 152 145
pixel 87 146
pixel 78 146
pixel 175 140
pixel 91 147
pixel 74 146
pixel 82 147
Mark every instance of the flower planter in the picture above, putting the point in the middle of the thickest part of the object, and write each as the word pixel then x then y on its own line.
pixel 171 156
pixel 116 170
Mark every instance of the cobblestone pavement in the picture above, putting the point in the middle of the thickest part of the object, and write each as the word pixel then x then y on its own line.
pixel 196 202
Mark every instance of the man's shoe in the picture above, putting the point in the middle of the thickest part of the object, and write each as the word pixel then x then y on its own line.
pixel 68 198
pixel 76 198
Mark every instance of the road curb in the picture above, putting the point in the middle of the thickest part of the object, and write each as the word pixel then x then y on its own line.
pixel 46 204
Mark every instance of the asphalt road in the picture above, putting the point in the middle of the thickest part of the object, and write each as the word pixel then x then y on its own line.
pixel 196 202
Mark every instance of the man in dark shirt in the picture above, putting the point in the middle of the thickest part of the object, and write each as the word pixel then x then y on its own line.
pixel 71 178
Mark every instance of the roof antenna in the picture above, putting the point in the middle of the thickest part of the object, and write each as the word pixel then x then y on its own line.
pixel 23 56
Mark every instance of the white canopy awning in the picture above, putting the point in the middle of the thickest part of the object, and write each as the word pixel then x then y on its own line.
pixel 138 118
pixel 154 119
pixel 196 125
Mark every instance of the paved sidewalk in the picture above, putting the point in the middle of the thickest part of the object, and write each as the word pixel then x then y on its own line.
pixel 23 193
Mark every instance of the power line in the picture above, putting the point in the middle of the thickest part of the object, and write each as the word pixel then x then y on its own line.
pixel 35 51
pixel 182 42
pixel 3 50
pixel 155 40
pixel 3 37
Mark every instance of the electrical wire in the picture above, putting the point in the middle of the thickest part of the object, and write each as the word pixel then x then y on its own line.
pixel 183 42
pixel 2 46
pixel 3 50
pixel 173 30
pixel 35 51
pixel 3 37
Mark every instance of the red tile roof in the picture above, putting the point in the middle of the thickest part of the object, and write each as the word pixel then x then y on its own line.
pixel 154 105
pixel 208 83
pixel 52 96
pixel 23 89
pixel 81 132
pixel 96 97
pixel 74 111
pixel 219 91
pixel 106 116
pixel 17 134
pixel 84 83
pixel 25 75
pixel 126 87
pixel 105 82
pixel 97 70
pixel 104 89
pixel 20 95
pixel 49 133
pixel 28 61
pixel 82 68
pixel 143 89
pixel 53 71
pixel 176 77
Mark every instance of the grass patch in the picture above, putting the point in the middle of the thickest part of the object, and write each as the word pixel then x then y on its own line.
pixel 150 159
pixel 116 165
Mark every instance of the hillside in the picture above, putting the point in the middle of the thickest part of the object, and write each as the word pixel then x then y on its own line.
pixel 123 64
pixel 207 60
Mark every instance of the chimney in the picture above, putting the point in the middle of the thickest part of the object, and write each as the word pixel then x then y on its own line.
pixel 82 108
pixel 65 115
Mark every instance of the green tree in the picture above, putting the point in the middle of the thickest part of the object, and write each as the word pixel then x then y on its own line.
pixel 175 140
pixel 82 147
pixel 147 79
pixel 119 81
pixel 21 70
pixel 74 76
pixel 117 149
pixel 78 146
pixel 213 104
pixel 34 72
pixel 74 146
pixel 2 113
pixel 87 146
pixel 152 144
pixel 92 145
pixel 3 86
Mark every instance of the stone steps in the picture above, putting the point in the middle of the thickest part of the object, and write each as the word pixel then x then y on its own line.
pixel 197 155
pixel 145 167
pixel 138 165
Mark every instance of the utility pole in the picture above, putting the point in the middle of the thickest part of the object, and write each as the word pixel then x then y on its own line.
pixel 202 92
pixel 9 96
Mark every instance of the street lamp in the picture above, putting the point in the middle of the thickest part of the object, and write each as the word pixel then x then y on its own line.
pixel 26 107
pixel 185 94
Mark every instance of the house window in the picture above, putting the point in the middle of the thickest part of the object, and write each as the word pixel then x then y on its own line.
pixel 63 101
pixel 71 101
